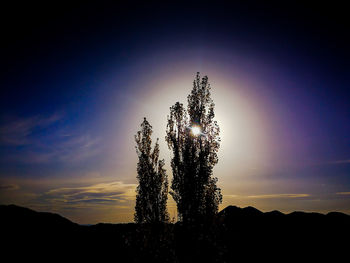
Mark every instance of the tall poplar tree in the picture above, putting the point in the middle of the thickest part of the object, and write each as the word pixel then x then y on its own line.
pixel 152 191
pixel 193 137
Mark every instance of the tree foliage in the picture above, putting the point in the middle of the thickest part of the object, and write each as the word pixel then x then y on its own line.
pixel 193 186
pixel 152 191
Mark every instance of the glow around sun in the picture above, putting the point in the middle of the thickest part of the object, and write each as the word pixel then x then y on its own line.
pixel 196 130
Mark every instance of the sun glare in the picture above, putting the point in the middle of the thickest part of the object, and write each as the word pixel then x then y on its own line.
pixel 196 130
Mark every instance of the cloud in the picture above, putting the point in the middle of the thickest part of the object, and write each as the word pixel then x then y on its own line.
pixel 343 161
pixel 38 140
pixel 278 196
pixel 18 132
pixel 77 148
pixel 231 196
pixel 343 193
pixel 9 187
pixel 267 196
pixel 113 193
pixel 340 162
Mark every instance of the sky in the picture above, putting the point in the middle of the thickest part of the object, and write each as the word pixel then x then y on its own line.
pixel 77 80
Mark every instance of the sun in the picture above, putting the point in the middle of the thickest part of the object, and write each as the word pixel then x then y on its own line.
pixel 196 130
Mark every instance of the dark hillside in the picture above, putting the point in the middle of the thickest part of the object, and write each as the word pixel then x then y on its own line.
pixel 238 234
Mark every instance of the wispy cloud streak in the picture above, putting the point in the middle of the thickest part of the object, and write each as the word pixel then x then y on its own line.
pixel 113 192
pixel 268 196
pixel 340 162
pixel 343 193
pixel 18 132
pixel 37 140
pixel 278 196
pixel 8 187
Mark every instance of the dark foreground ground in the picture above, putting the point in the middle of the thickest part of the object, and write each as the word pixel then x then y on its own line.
pixel 237 235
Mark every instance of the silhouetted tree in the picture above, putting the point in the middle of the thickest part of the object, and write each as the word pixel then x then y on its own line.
pixel 193 137
pixel 152 191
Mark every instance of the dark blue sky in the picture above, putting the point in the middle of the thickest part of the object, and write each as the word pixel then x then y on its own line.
pixel 75 77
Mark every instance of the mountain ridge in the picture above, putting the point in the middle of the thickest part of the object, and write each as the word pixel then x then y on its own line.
pixel 10 212
pixel 256 211
pixel 15 214
pixel 236 234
